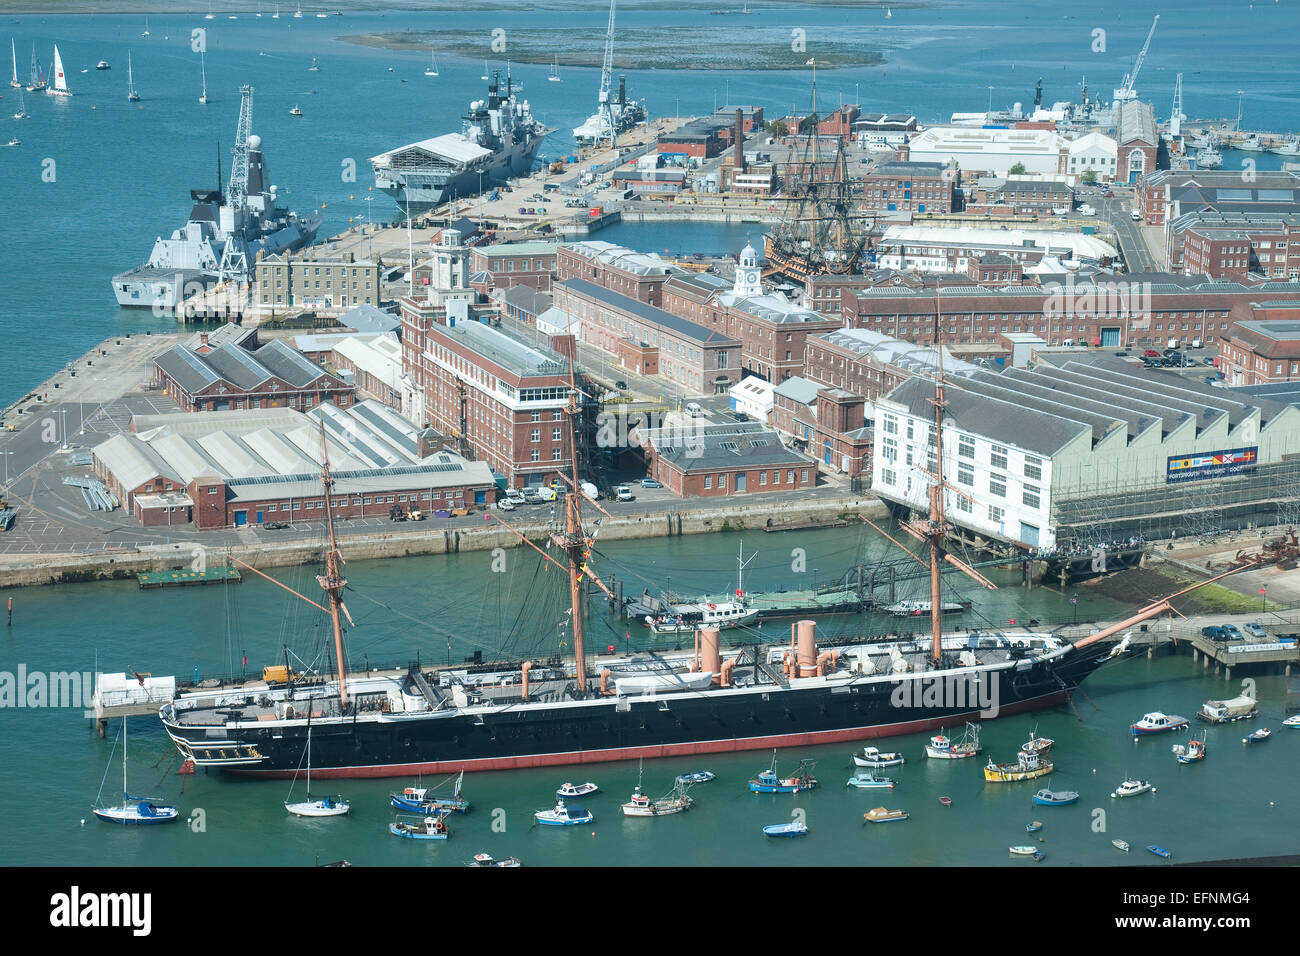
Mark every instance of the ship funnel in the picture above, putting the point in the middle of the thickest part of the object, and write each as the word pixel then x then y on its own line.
pixel 710 659
pixel 807 648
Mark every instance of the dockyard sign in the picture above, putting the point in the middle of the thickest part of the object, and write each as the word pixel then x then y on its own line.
pixel 1215 464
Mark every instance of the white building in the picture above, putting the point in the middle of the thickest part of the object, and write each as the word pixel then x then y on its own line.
pixel 943 249
pixel 993 151
pixel 753 396
pixel 1093 152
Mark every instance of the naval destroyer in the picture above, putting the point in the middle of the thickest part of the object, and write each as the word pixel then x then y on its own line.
pixel 224 234
pixel 499 139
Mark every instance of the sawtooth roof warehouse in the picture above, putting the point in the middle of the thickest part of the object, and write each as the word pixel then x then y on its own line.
pixel 1085 450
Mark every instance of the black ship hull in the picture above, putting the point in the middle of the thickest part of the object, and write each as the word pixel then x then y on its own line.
pixel 620 728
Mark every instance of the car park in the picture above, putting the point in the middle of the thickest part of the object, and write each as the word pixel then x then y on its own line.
pixel 650 483
pixel 1254 630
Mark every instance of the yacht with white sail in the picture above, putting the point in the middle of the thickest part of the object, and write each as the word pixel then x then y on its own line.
pixel 60 86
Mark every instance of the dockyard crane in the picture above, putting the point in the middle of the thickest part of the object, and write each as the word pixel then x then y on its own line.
pixel 1176 114
pixel 234 255
pixel 1126 91
pixel 605 101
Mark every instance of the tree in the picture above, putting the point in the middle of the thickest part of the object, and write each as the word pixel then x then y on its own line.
pixel 777 128
pixel 1017 170
pixel 1090 176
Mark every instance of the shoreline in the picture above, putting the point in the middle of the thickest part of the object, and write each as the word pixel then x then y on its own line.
pixel 74 568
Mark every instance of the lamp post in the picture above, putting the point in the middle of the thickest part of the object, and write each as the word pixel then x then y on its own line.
pixel 63 415
pixel 6 454
pixel 1074 603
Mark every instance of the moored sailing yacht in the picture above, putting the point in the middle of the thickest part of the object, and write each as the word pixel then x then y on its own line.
pixel 13 52
pixel 134 810
pixel 131 95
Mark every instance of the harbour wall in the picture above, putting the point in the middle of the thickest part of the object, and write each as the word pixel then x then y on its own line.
pixel 417 539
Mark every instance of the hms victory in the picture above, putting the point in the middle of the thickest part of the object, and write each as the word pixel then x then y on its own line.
pixel 572 710
pixel 224 234
pixel 499 139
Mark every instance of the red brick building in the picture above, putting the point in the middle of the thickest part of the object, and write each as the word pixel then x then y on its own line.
pixel 505 396
pixel 909 187
pixel 638 275
pixel 1265 349
pixel 1169 194
pixel 1237 246
pixel 514 263
pixel 718 461
pixel 699 357
pixel 1138 143
pixel 828 423
pixel 227 378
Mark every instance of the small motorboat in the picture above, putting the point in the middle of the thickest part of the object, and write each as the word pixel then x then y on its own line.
pixel 699 776
pixel 1038 745
pixel 1055 798
pixel 1034 827
pixel 793 829
pixel 420 800
pixel 871 757
pixel 296 111
pixel 1157 723
pixel 1023 850
pixel 428 828
pixel 1131 788
pixel 640 805
pixel 1292 721
pixel 869 781
pixel 1120 845
pixel 1260 735
pixel 1193 752
pixel 1039 856
pixel 14 142
pixel 945 801
pixel 942 748
pixel 564 816
pixel 1159 851
pixel 581 790
pixel 102 65
pixel 881 815
pixel 484 859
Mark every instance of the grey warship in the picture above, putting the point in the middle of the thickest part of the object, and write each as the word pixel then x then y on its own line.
pixel 224 234
pixel 499 139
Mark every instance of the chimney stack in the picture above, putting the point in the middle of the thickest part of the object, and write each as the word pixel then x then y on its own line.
pixel 738 163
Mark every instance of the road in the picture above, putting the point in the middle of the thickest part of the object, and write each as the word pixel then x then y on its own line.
pixel 1118 212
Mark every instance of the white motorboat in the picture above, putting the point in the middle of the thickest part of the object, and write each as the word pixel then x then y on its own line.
pixel 1157 723
pixel 872 757
pixel 1131 788
pixel 564 816
pixel 869 781
pixel 942 748
pixel 1292 721
pixel 568 791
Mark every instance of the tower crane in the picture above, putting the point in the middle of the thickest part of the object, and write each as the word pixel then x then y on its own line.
pixel 1126 91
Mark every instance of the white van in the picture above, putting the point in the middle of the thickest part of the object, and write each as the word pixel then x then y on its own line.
pixel 694 410
pixel 545 493
pixel 1173 343
pixel 1068 343
pixel 1137 216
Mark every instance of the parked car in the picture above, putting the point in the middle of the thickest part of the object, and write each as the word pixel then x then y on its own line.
pixel 1214 633
pixel 624 493
pixel 515 495
pixel 1151 353
pixel 1231 633
pixel 1108 194
pixel 505 504
pixel 1121 355
pixel 650 483
pixel 275 525
pixel 531 496
pixel 622 386
pixel 1254 630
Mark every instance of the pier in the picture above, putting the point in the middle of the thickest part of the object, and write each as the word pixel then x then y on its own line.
pixel 174 579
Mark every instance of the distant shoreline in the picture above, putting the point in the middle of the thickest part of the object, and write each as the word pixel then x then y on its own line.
pixel 536 47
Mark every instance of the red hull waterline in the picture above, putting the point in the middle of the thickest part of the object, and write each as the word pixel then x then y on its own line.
pixel 809 739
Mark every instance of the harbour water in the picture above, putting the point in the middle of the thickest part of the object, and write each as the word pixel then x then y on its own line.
pixel 96 179
pixel 442 608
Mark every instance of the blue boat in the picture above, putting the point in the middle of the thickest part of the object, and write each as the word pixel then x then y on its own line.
pixel 699 776
pixel 792 829
pixel 563 816
pixel 1055 798
pixel 1160 851
pixel 1257 737
pixel 1033 827
pixel 422 800
pixel 768 782
pixel 429 828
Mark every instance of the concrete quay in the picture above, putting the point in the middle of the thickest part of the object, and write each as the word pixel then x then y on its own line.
pixel 414 538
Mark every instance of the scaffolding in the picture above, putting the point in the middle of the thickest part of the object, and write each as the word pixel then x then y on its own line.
pixel 1156 509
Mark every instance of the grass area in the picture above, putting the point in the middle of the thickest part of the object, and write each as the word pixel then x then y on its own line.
pixel 1143 585
pixel 679 47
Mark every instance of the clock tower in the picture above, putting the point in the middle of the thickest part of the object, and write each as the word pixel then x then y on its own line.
pixel 747 275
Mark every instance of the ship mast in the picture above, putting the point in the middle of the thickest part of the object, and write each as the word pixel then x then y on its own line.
pixel 332 581
pixel 937 528
pixel 572 540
